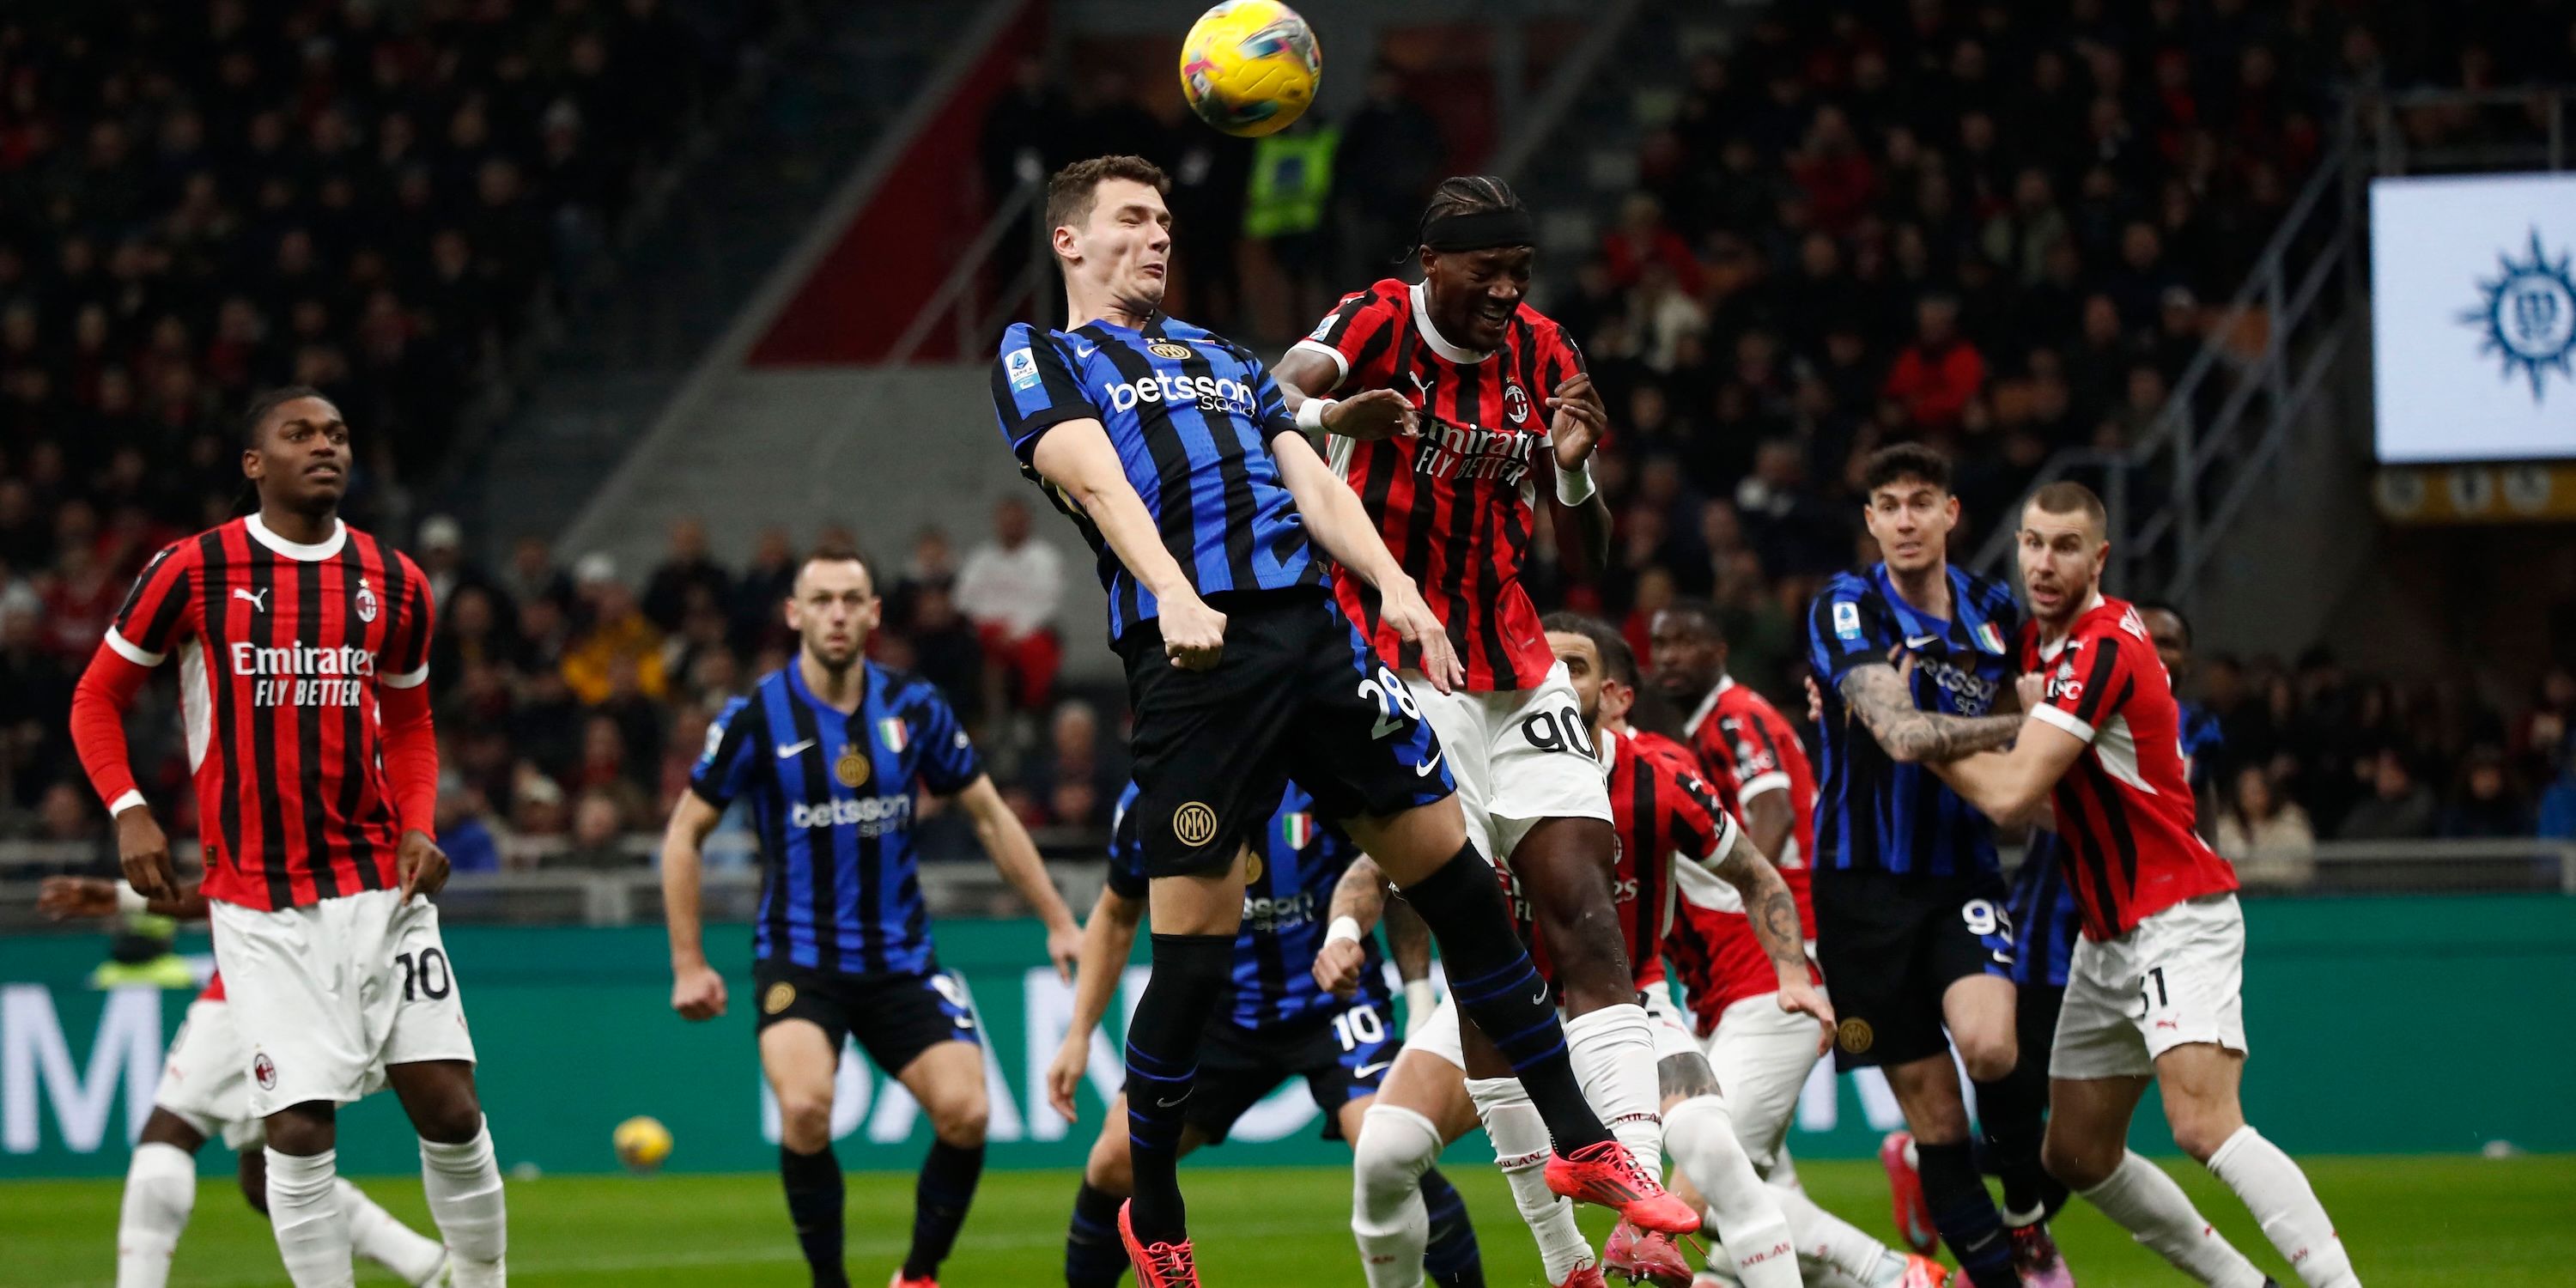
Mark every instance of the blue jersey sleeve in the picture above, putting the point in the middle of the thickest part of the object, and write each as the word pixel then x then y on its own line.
pixel 1126 849
pixel 1268 402
pixel 1035 389
pixel 1846 628
pixel 949 764
pixel 733 745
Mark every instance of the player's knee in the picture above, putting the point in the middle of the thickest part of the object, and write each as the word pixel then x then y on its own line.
pixel 2199 1130
pixel 1989 1056
pixel 1109 1170
pixel 1395 1147
pixel 805 1117
pixel 2078 1164
pixel 450 1119
pixel 962 1124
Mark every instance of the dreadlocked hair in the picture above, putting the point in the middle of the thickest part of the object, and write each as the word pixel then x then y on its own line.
pixel 1465 194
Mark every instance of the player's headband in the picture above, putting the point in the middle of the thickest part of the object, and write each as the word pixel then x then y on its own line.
pixel 1480 230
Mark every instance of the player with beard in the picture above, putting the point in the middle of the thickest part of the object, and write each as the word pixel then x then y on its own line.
pixel 2155 992
pixel 1493 396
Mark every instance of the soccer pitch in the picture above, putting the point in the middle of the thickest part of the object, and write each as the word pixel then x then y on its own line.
pixel 2410 1222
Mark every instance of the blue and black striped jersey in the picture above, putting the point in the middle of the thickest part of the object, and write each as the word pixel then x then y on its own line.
pixel 1872 812
pixel 832 800
pixel 1286 907
pixel 2042 906
pixel 1191 415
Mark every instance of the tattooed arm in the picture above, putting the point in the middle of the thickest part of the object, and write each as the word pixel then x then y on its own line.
pixel 1774 914
pixel 1879 696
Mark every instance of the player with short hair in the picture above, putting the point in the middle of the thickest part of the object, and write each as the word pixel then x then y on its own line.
pixel 2156 988
pixel 303 647
pixel 1909 897
pixel 832 752
pixel 1662 810
pixel 204 1095
pixel 1492 391
pixel 1310 1002
pixel 1174 453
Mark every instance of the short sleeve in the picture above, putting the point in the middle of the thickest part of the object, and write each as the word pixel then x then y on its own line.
pixel 1558 359
pixel 1034 389
pixel 1126 849
pixel 732 748
pixel 1753 755
pixel 405 659
pixel 949 764
pixel 1269 403
pixel 1358 337
pixel 2088 685
pixel 1702 830
pixel 154 615
pixel 1846 628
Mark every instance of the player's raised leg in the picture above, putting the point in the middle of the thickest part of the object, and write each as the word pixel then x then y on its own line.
pixel 948 1081
pixel 798 1058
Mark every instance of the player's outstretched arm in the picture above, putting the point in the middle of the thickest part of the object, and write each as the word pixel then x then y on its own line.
pixel 2012 786
pixel 1078 458
pixel 1107 938
pixel 1576 422
pixel 1359 900
pixel 1340 524
pixel 1009 846
pixel 64 898
pixel 697 991
pixel 1774 914
pixel 1910 735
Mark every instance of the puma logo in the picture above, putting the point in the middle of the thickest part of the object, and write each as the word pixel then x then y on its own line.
pixel 258 598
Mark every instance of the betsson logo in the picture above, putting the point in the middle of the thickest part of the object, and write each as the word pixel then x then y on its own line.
pixel 1209 392
pixel 872 814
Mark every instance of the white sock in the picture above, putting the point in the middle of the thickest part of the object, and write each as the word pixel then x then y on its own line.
pixel 1613 1051
pixel 160 1191
pixel 1784 1173
pixel 463 1186
pixel 377 1236
pixel 1755 1234
pixel 1521 1148
pixel 312 1230
pixel 1395 1147
pixel 1828 1243
pixel 2278 1194
pixel 2140 1198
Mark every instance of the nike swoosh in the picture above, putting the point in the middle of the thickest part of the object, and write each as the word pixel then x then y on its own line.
pixel 1084 350
pixel 786 749
pixel 1367 1069
pixel 1424 769
pixel 1918 641
pixel 1541 998
pixel 1166 1104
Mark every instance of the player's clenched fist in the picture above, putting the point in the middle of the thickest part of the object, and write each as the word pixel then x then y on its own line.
pixel 1375 414
pixel 1337 967
pixel 144 853
pixel 698 992
pixel 1193 633
pixel 2033 690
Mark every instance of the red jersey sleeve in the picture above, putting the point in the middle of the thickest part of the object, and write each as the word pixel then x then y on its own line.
pixel 405 663
pixel 1753 751
pixel 1701 830
pixel 1358 337
pixel 155 613
pixel 2092 681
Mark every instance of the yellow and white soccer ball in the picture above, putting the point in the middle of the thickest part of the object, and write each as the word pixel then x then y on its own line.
pixel 642 1143
pixel 1249 67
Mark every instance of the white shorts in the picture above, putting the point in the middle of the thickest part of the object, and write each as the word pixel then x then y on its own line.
pixel 1672 1027
pixel 205 1078
pixel 2176 979
pixel 325 993
pixel 1518 756
pixel 1762 1056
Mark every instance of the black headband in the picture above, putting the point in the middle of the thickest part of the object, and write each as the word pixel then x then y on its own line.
pixel 1480 230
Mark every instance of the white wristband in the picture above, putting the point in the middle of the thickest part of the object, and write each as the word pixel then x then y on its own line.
pixel 1310 413
pixel 1341 929
pixel 130 900
pixel 1574 487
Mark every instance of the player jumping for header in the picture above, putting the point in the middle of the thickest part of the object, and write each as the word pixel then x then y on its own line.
pixel 2156 988
pixel 1173 452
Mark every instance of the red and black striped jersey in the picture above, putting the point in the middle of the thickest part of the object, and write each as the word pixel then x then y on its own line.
pixel 2124 809
pixel 1659 808
pixel 281 648
pixel 1456 504
pixel 1748 749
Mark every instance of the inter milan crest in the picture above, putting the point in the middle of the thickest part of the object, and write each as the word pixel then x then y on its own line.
pixel 1171 349
pixel 851 767
pixel 366 602
pixel 2529 316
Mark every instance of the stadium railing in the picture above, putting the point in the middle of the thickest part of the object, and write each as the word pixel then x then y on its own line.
pixel 529 893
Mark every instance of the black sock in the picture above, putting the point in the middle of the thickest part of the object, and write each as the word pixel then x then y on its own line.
pixel 1491 977
pixel 814 1202
pixel 1093 1257
pixel 939 1202
pixel 1451 1258
pixel 1965 1214
pixel 1191 975
pixel 2012 1113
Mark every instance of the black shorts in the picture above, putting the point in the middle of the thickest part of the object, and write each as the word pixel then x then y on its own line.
pixel 894 1017
pixel 1892 945
pixel 1296 692
pixel 1343 1055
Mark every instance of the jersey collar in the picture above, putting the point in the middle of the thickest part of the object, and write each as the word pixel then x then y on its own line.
pixel 315 552
pixel 2048 650
pixel 805 692
pixel 1690 727
pixel 1608 750
pixel 1431 333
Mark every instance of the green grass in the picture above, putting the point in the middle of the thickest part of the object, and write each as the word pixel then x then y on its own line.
pixel 2411 1222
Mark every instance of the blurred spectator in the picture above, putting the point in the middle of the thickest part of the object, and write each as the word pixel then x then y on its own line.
pixel 931 565
pixel 2399 808
pixel 463 832
pixel 1390 155
pixel 1935 377
pixel 598 834
pixel 1011 587
pixel 616 642
pixel 1075 778
pixel 686 569
pixel 2485 803
pixel 2268 837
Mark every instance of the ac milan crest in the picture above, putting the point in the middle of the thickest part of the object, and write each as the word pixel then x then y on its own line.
pixel 265 1070
pixel 366 602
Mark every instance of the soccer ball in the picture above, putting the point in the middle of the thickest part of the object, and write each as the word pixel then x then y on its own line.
pixel 1249 67
pixel 642 1143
